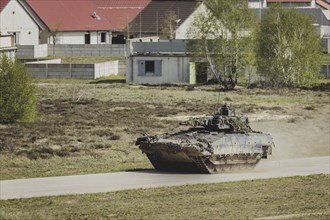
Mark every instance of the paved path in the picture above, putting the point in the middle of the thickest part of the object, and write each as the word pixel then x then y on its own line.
pixel 94 183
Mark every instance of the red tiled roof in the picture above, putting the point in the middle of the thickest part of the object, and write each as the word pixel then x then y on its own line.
pixel 68 15
pixel 323 4
pixel 3 3
pixel 151 17
pixel 119 13
pixel 75 15
pixel 289 0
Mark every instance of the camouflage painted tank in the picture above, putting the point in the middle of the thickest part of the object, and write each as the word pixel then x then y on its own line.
pixel 212 144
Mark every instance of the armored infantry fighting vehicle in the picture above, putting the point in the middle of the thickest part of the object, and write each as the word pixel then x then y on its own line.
pixel 212 144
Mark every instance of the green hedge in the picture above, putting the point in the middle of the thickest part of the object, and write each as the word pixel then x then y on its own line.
pixel 17 93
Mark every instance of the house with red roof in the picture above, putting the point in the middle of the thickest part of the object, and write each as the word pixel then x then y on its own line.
pixel 19 20
pixel 67 21
pixel 151 19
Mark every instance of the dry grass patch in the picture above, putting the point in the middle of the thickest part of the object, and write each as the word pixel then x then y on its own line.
pixel 103 124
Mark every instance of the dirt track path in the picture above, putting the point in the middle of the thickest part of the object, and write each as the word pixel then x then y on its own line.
pixel 304 138
pixel 94 183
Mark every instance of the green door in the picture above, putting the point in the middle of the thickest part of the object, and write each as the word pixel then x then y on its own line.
pixel 192 73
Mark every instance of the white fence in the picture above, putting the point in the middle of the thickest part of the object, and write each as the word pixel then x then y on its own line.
pixel 32 51
pixel 87 50
pixel 44 69
pixel 44 50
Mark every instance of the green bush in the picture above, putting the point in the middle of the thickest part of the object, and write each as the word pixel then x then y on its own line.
pixel 288 49
pixel 17 93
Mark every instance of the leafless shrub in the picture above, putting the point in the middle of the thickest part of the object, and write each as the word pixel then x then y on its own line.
pixel 228 99
pixel 114 137
pixel 102 132
pixel 74 148
pixel 77 94
pixel 102 146
pixel 309 107
pixel 292 120
pixel 36 153
pixel 190 88
pixel 63 152
pixel 47 152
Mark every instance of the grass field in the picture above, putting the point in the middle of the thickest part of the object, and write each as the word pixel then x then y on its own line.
pixel 293 198
pixel 91 126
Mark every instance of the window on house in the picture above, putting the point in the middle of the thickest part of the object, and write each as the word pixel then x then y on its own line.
pixel 118 39
pixel 103 37
pixel 16 37
pixel 150 67
pixel 87 39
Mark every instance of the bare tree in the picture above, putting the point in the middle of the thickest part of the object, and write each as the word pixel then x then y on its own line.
pixel 169 25
pixel 222 39
pixel 53 35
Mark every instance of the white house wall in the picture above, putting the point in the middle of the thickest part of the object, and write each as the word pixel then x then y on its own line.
pixel 187 28
pixel 182 31
pixel 257 3
pixel 78 37
pixel 325 31
pixel 175 69
pixel 14 19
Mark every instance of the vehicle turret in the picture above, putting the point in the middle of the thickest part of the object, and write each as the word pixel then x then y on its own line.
pixel 224 119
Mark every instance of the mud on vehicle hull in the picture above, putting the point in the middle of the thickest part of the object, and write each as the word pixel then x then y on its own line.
pixel 198 165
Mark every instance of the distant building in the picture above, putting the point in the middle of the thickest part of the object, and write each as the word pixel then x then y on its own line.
pixel 150 20
pixel 161 62
pixel 19 20
pixel 36 22
pixel 320 14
